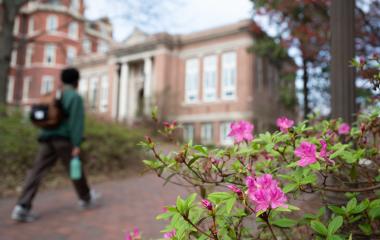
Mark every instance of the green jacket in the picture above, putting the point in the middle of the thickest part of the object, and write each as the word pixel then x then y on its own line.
pixel 72 126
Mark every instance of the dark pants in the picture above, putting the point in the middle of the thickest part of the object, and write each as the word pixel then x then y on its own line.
pixel 48 153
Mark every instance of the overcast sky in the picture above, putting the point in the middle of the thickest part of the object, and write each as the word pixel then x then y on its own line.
pixel 181 17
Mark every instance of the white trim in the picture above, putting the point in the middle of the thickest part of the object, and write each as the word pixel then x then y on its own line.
pixel 73 30
pixel 210 79
pixel 210 117
pixel 26 88
pixel 43 65
pixel 31 26
pixel 229 75
pixel 104 94
pixel 10 89
pixel 52 23
pixel 47 84
pixel 47 55
pixel 192 80
pixel 16 26
pixel 14 58
pixel 29 55
pixel 217 48
pixel 71 54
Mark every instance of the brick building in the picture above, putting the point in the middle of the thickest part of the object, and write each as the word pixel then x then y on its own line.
pixel 203 80
pixel 49 35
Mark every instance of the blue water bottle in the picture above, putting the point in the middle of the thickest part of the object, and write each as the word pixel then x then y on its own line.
pixel 75 168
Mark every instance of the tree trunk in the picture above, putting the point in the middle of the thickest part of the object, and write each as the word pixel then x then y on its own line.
pixel 305 77
pixel 8 16
pixel 342 52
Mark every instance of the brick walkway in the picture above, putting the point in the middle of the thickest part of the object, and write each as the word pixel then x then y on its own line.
pixel 126 204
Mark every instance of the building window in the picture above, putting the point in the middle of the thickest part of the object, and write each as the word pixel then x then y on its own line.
pixel 71 54
pixel 83 88
pixel 188 132
pixel 10 89
pixel 14 58
pixel 206 133
pixel 47 84
pixel 31 26
pixel 16 26
pixel 75 5
pixel 102 46
pixel 25 89
pixel 73 30
pixel 209 78
pixel 93 98
pixel 229 75
pixel 191 80
pixel 224 130
pixel 28 55
pixel 49 54
pixel 86 45
pixel 54 2
pixel 104 94
pixel 52 23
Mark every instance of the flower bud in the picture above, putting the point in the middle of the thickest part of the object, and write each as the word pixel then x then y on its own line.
pixel 207 204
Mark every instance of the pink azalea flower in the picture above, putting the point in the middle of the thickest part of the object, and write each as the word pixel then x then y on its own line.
pixel 207 204
pixel 344 129
pixel 136 232
pixel 170 234
pixel 307 152
pixel 284 124
pixel 241 131
pixel 324 154
pixel 235 189
pixel 250 182
pixel 265 193
pixel 128 236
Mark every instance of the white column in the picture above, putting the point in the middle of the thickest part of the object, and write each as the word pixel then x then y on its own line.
pixel 123 97
pixel 147 85
pixel 115 86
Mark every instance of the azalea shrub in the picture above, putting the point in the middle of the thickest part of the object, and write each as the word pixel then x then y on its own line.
pixel 318 179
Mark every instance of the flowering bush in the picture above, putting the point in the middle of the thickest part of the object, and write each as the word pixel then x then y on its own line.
pixel 256 188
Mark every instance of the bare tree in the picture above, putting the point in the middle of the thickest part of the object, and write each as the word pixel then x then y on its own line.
pixel 8 13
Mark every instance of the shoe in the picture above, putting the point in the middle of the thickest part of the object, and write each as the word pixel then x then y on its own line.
pixel 21 214
pixel 92 203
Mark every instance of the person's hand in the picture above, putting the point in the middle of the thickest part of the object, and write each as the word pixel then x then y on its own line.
pixel 75 152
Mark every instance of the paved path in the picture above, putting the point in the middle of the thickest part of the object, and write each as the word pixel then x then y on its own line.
pixel 126 203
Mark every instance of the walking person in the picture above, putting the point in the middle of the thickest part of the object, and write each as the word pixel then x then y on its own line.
pixel 60 142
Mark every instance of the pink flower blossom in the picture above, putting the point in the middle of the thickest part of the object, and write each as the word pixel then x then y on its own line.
pixel 323 152
pixel 207 204
pixel 235 189
pixel 344 129
pixel 241 131
pixel 136 233
pixel 250 182
pixel 284 124
pixel 307 152
pixel 170 234
pixel 265 193
pixel 128 236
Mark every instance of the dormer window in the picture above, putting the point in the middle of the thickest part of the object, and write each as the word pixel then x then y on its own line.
pixel 73 30
pixel 52 23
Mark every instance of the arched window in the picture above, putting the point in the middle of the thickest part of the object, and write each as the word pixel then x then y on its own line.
pixel 52 23
pixel 73 30
pixel 75 5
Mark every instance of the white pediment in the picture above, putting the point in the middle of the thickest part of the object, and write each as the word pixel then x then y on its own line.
pixel 137 36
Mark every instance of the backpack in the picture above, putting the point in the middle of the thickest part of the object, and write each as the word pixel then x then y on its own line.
pixel 47 111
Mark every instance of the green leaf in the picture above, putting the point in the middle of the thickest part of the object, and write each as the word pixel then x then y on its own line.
pixel 374 212
pixel 290 187
pixel 316 166
pixel 230 204
pixel 334 237
pixel 335 224
pixel 375 203
pixel 284 222
pixel 361 207
pixel 201 149
pixel 351 205
pixel 219 196
pixel 337 210
pixel 319 227
pixel 366 228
